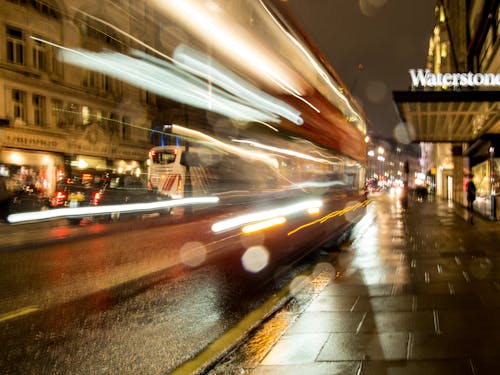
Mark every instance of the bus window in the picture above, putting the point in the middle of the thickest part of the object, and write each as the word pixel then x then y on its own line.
pixel 164 157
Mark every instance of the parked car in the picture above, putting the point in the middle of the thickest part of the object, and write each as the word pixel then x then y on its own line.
pixel 26 199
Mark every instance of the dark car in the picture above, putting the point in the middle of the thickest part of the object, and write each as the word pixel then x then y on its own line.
pixel 27 199
pixel 77 190
pixel 109 190
pixel 127 189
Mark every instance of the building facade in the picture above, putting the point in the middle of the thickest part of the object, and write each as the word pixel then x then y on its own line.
pixel 56 116
pixel 454 103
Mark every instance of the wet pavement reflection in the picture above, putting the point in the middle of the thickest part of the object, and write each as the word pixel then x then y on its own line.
pixel 413 291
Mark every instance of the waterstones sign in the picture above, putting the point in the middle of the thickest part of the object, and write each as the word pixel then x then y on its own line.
pixel 425 78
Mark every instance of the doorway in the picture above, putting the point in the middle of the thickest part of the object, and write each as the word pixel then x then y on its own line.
pixel 449 187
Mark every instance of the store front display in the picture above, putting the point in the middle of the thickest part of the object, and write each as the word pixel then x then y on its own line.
pixel 34 170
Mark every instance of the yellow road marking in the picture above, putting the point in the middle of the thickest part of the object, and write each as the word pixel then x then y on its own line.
pixel 19 312
pixel 218 348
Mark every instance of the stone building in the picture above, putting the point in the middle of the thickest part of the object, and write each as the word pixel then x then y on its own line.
pixel 56 116
pixel 454 104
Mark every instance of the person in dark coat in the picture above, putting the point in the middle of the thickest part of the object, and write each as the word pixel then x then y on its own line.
pixel 471 197
pixel 4 198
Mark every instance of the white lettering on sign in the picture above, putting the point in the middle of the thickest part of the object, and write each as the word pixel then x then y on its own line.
pixel 424 78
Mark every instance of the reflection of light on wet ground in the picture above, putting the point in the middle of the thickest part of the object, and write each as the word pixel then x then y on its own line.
pixel 60 232
pixel 255 259
pixel 266 337
pixel 370 259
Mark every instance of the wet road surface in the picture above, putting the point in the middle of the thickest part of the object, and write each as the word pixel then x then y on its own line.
pixel 119 301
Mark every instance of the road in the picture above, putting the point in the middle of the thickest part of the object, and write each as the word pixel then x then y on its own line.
pixel 131 297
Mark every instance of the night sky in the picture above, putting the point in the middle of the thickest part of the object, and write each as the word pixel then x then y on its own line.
pixel 387 37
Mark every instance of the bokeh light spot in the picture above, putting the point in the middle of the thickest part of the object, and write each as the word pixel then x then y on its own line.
pixel 376 91
pixel 193 254
pixel 255 259
pixel 371 7
pixel 298 284
pixel 404 133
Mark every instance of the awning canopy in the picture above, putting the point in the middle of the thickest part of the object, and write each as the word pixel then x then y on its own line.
pixel 449 116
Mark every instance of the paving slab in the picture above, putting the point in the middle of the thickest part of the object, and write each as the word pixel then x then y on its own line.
pixel 296 349
pixel 334 321
pixel 364 346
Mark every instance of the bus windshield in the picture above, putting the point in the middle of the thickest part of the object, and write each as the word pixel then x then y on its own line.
pixel 163 157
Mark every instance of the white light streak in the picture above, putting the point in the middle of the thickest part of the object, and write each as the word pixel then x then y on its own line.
pixel 223 33
pixel 219 75
pixel 181 130
pixel 171 83
pixel 318 68
pixel 264 215
pixel 284 151
pixel 106 209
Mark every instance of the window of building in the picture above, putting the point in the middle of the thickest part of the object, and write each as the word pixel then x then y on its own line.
pixel 38 110
pixel 72 114
pixel 126 133
pixel 39 56
pixel 106 83
pixel 148 97
pixel 15 46
pixel 85 115
pixel 99 32
pixel 19 105
pixel 89 79
pixel 113 124
pixel 46 7
pixel 58 113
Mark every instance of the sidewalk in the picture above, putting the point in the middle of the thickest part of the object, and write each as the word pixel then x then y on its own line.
pixel 415 292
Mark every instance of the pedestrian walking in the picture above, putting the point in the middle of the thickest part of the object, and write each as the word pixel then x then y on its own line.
pixel 471 197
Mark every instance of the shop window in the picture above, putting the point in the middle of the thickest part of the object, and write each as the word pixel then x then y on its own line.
pixel 15 46
pixel 39 110
pixel 39 56
pixel 19 105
